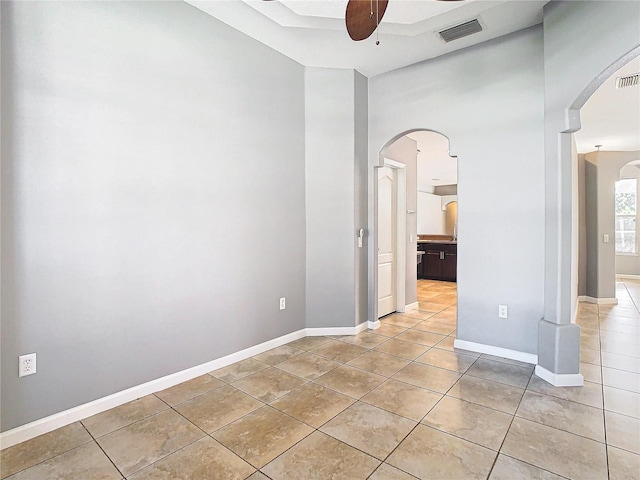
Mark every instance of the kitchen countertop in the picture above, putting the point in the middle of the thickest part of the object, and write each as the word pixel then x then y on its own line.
pixel 444 242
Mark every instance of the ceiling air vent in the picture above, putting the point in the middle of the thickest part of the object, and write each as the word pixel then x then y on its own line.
pixel 462 30
pixel 628 81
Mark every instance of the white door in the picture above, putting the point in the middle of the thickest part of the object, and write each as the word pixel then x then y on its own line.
pixel 387 209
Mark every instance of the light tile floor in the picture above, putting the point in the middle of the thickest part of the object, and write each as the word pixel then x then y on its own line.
pixel 396 403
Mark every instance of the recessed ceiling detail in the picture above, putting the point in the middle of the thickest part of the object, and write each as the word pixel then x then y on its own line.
pixel 313 32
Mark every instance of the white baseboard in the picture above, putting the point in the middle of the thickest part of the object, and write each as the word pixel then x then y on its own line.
pixel 598 301
pixel 373 325
pixel 411 306
pixel 319 332
pixel 560 379
pixel 630 277
pixel 50 423
pixel 496 351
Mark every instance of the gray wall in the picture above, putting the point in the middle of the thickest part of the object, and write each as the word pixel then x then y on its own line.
pixel 488 100
pixel 153 206
pixel 361 162
pixel 582 227
pixel 334 192
pixel 405 150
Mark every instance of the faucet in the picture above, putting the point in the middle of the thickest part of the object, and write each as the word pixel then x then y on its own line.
pixel 455 232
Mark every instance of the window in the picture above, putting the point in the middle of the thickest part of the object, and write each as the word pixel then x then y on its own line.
pixel 626 216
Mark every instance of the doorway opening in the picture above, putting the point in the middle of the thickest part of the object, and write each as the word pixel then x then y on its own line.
pixel 429 219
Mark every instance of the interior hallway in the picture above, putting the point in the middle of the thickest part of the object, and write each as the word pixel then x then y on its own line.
pixel 395 403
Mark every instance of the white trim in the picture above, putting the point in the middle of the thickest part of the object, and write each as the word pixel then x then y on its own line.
pixel 630 277
pixel 411 306
pixel 560 379
pixel 373 325
pixel 496 351
pixel 598 301
pixel 319 332
pixel 47 424
pixel 401 231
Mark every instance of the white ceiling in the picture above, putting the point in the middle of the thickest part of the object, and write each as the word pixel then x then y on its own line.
pixel 313 32
pixel 611 117
pixel 435 166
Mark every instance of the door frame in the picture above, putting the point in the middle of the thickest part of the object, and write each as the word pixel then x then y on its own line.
pixel 401 234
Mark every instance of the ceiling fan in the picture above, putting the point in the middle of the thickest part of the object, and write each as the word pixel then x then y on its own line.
pixel 363 17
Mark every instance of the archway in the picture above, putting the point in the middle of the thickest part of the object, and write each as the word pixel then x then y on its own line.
pixel 402 150
pixel 573 71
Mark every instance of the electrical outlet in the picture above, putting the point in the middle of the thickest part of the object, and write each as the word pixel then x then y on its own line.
pixel 26 365
pixel 283 303
pixel 502 311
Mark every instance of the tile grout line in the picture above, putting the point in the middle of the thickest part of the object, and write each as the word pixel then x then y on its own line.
pixel 102 450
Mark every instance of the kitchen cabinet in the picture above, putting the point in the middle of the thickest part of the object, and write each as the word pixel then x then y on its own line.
pixel 439 261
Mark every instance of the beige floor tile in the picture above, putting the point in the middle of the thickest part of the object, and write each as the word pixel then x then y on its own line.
pixel 407 350
pixel 621 337
pixel 418 336
pixel 623 465
pixel 591 373
pixel 189 389
pixel 400 321
pixel 320 457
pixel 403 399
pixel 313 404
pixel 389 330
pixel 365 339
pixel 449 360
pixel 445 317
pixel 606 326
pixel 278 355
pixel 262 435
pixel 205 459
pixel 418 314
pixel 431 306
pixel 308 343
pixel 140 444
pixel 507 468
pixel 430 454
pixel 588 355
pixel 563 414
pixel 308 365
pixel 426 376
pixel 620 379
pixel 369 429
pixel 510 361
pixel 620 348
pixel 239 370
pixel 258 476
pixel 380 363
pixel 387 472
pixel 339 351
pixel 123 415
pixel 218 408
pixel 269 384
pixel 87 461
pixel 501 372
pixel 589 394
pixel 621 362
pixel 622 401
pixel 623 432
pixel 477 424
pixel 41 448
pixel 555 450
pixel 488 394
pixel 435 327
pixel 350 381
pixel 447 344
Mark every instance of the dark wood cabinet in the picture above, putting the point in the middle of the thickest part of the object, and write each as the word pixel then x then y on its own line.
pixel 439 261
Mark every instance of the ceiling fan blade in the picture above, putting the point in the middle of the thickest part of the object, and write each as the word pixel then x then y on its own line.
pixel 359 19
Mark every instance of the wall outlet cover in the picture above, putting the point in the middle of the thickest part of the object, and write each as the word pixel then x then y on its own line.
pixel 283 303
pixel 502 311
pixel 26 364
